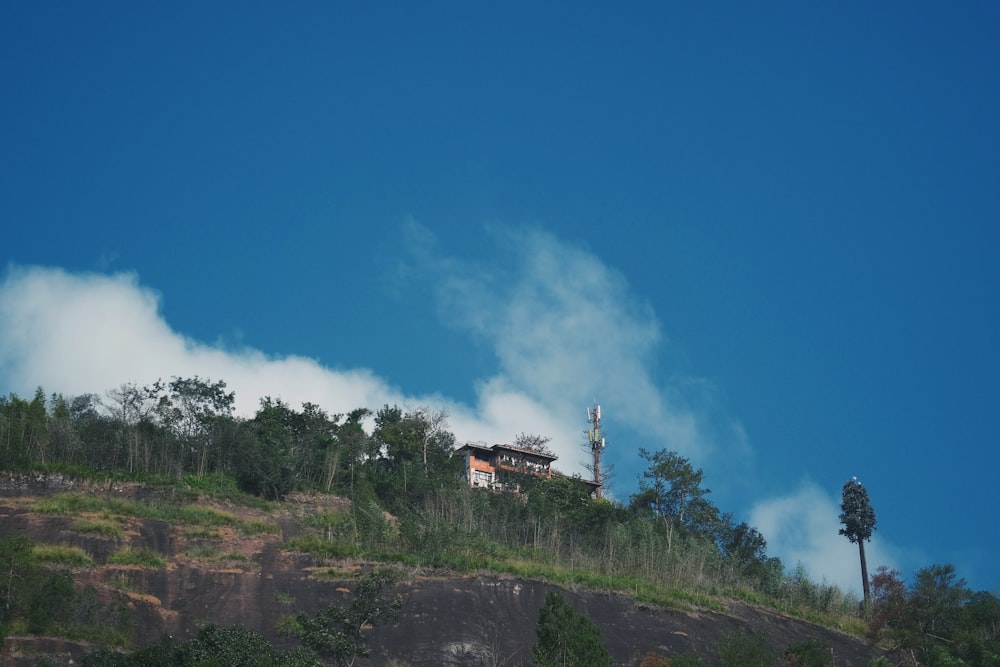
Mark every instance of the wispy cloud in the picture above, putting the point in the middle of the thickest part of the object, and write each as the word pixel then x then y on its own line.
pixel 566 328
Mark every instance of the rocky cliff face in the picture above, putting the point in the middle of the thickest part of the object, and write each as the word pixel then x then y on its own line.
pixel 446 619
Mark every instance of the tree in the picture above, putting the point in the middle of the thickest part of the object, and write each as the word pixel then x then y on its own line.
pixel 415 450
pixel 190 408
pixel 264 466
pixel 936 602
pixel 889 603
pixel 979 640
pixel 64 443
pixel 566 638
pixel 17 569
pixel 38 428
pixel 130 405
pixel 432 425
pixel 337 633
pixel 96 431
pixel 354 441
pixel 746 550
pixel 535 443
pixel 938 620
pixel 318 450
pixel 671 489
pixel 742 542
pixel 858 517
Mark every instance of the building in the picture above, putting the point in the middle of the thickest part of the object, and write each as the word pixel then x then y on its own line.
pixel 485 465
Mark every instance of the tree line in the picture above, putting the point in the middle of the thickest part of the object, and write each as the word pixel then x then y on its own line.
pixel 186 427
pixel 667 535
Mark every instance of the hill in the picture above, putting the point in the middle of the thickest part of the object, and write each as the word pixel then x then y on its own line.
pixel 217 562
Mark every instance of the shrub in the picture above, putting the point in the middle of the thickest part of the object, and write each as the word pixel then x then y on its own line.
pixel 98 527
pixel 809 653
pixel 567 638
pixel 653 659
pixel 743 650
pixel 211 553
pixel 62 554
pixel 50 602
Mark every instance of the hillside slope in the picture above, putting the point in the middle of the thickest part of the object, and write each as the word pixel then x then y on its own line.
pixel 447 619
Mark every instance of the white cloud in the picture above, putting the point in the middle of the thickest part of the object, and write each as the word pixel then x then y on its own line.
pixel 90 332
pixel 78 333
pixel 802 527
pixel 567 329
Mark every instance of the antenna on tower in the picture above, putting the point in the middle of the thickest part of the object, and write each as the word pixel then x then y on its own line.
pixel 597 442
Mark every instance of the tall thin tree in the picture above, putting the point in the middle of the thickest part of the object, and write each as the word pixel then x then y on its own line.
pixel 858 517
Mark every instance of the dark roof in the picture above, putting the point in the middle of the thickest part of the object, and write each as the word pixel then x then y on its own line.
pixel 475 445
pixel 510 448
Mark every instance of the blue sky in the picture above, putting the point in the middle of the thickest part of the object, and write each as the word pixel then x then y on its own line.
pixel 763 236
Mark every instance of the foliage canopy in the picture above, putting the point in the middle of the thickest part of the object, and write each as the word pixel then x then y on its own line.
pixel 567 638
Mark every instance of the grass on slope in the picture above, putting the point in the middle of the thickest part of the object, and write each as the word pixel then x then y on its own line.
pixel 76 504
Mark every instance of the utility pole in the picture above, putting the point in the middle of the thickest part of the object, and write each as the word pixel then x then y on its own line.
pixel 597 443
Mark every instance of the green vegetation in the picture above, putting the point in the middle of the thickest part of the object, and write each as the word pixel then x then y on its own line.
pixel 235 646
pixel 98 527
pixel 567 638
pixel 211 553
pixel 337 633
pixel 809 653
pixel 62 554
pixel 666 544
pixel 200 533
pixel 37 599
pixel 937 619
pixel 744 650
pixel 191 516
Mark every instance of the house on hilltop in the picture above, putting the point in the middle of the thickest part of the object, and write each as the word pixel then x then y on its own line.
pixel 484 465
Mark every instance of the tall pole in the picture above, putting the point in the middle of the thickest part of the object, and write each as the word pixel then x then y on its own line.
pixel 596 444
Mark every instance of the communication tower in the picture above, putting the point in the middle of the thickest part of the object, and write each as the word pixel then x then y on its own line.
pixel 597 443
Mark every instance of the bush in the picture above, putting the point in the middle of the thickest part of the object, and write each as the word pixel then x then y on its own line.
pixel 653 659
pixel 51 603
pixel 809 653
pixel 98 527
pixel 62 554
pixel 743 650
pixel 567 638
